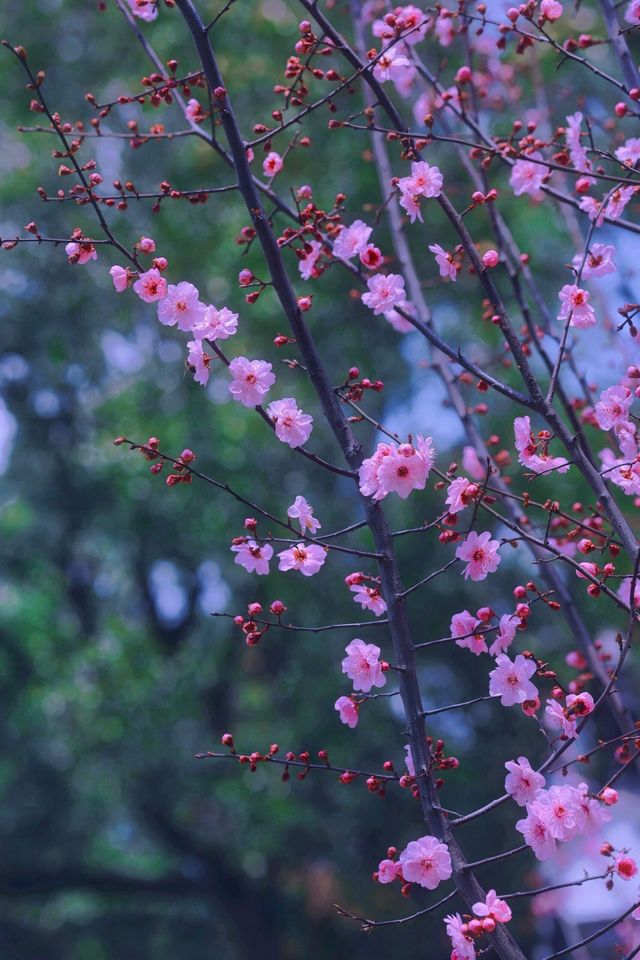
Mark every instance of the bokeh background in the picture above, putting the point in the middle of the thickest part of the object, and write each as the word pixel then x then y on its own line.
pixel 116 842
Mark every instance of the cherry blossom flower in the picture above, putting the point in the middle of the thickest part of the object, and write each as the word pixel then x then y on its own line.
pixel 397 469
pixel 593 209
pixel 461 939
pixel 575 304
pixel 351 240
pixel 494 907
pixel 302 511
pixel 522 782
pixel 511 680
pixel 629 152
pixel 551 9
pixel 528 177
pixel 144 9
pixel 426 862
pixel 577 706
pixel 590 815
pixel 254 558
pixel 307 262
pixel 397 321
pixel 445 261
pixel 529 454
pixel 272 164
pixel 371 257
pixel 445 30
pixel 369 598
pixel 425 181
pixel 632 13
pixel 80 252
pixel 558 807
pixel 626 868
pixel 460 494
pixel 391 65
pixel 348 711
pixel 537 834
pixel 216 324
pixel 181 305
pixel 251 382
pixel 362 665
pixel 151 286
pixel 613 407
pixel 193 111
pixel 386 871
pixel 577 152
pixel 462 627
pixel 617 202
pixel 385 291
pixel 291 424
pixel 307 558
pixel 507 627
pixel 598 262
pixel 120 277
pixel 199 360
pixel 481 555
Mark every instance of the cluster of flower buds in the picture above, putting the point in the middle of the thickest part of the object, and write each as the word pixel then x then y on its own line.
pixel 355 386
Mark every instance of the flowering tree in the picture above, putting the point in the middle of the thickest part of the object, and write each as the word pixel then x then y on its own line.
pixel 570 164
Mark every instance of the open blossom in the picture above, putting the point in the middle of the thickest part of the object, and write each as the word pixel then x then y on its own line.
pixel 528 177
pixel 348 711
pixel 558 807
pixel 494 907
pixel 532 456
pixel 385 291
pixel 216 324
pixel 181 305
pixel 577 707
pixel 551 9
pixel 387 871
pixel 391 65
pixel 254 558
pixel 144 9
pixel 369 598
pixel 522 782
pixel 397 469
pixel 575 304
pixel 362 665
pixel 272 164
pixel 303 512
pixel 481 555
pixel 632 13
pixel 120 277
pixel 618 201
pixel 307 262
pixel 461 939
pixel 193 111
pixel 352 240
pixel 511 680
pixel 577 153
pixel 598 262
pixel 251 380
pixel 629 152
pixel 426 862
pixel 291 424
pixel 536 832
pixel 507 627
pixel 199 360
pixel 613 407
pixel 445 261
pixel 307 558
pixel 80 252
pixel 151 286
pixel 462 627
pixel 425 181
pixel 460 494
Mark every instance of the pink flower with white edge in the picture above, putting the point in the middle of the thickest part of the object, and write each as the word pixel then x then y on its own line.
pixel 385 291
pixel 481 555
pixel 626 868
pixel 303 512
pixel 144 9
pixel 598 262
pixel 460 494
pixel 494 907
pixel 181 305
pixel 632 15
pixel 151 286
pixel 386 871
pixel 120 277
pixel 575 304
pixel 251 556
pixel 461 939
pixel 613 407
pixel 522 782
pixel 251 382
pixel 292 426
pixel 445 261
pixel 528 177
pixel 199 361
pixel 397 321
pixel 511 680
pixel 463 626
pixel 362 665
pixel 352 240
pixel 307 558
pixel 272 164
pixel 369 598
pixel 551 9
pixel 426 862
pixel 216 324
pixel 348 711
pixel 537 834
pixel 507 627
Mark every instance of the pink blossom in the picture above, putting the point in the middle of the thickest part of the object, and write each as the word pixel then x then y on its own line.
pixel 613 407
pixel 558 807
pixel 445 30
pixel 307 558
pixel 303 512
pixel 80 252
pixel 531 456
pixel 481 555
pixel 272 164
pixel 598 262
pixel 307 263
pixel 120 278
pixel 632 13
pixel 291 424
pixel 461 939
pixel 494 907
pixel 425 181
pixel 460 494
pixel 362 665
pixel 463 626
pixel 426 862
pixel 199 360
pixel 371 257
pixel 397 321
pixel 522 782
pixel 593 209
pixel 351 240
pixel 618 201
pixel 385 291
pixel 445 261
pixel 369 598
pixel 471 463
pixel 216 324
pixel 151 286
pixel 386 871
pixel 254 558
pixel 251 380
pixel 551 9
pixel 626 867
pixel 193 111
pixel 506 632
pixel 577 152
pixel 348 711
pixel 144 9
pixel 181 305
pixel 147 244
pixel 575 304
pixel 397 469
pixel 511 680
pixel 528 177
pixel 537 834
pixel 391 65
pixel 629 152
